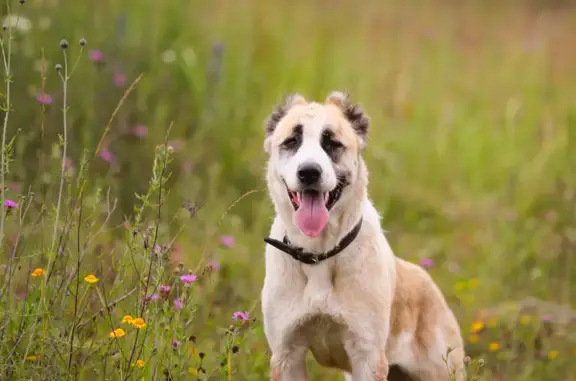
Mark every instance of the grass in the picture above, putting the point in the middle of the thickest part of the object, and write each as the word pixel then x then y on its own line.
pixel 138 175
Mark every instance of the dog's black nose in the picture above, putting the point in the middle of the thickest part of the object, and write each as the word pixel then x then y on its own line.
pixel 309 173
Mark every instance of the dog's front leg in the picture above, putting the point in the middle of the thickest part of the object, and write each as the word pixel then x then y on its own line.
pixel 368 363
pixel 289 365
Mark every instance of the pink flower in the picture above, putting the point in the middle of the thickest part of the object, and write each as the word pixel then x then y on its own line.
pixel 427 262
pixel 239 315
pixel 151 298
pixel 164 289
pixel 10 204
pixel 178 304
pixel 106 155
pixel 213 265
pixel 188 278
pixel 175 343
pixel 546 317
pixel 227 240
pixel 96 55
pixel 44 99
pixel 140 131
pixel 119 79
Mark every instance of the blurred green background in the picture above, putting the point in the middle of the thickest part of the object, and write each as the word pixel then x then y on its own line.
pixel 471 152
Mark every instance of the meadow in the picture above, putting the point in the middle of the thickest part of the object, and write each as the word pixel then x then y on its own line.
pixel 132 174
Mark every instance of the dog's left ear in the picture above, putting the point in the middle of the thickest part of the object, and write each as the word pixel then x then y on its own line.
pixel 358 119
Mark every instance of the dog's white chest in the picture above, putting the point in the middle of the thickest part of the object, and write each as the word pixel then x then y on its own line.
pixel 318 293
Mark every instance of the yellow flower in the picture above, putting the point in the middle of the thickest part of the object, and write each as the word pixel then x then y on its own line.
pixel 194 371
pixel 473 339
pixel 552 355
pixel 127 319
pixel 477 326
pixel 32 358
pixel 38 272
pixel 91 279
pixel 140 363
pixel 493 347
pixel 473 283
pixel 138 323
pixel 118 332
pixel 525 319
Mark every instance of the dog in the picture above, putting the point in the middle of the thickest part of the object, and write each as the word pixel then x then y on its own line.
pixel 333 285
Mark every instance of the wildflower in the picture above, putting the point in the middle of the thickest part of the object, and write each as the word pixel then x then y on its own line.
pixel 91 279
pixel 546 318
pixel 119 79
pixel 525 319
pixel 239 315
pixel 178 304
pixel 473 283
pixel 188 278
pixel 44 99
pixel 151 298
pixel 473 339
pixel 227 240
pixel 38 272
pixel 106 155
pixel 493 346
pixel 175 343
pixel 10 204
pixel 96 55
pixel 31 358
pixel 213 265
pixel 427 262
pixel 118 332
pixel 127 319
pixel 164 289
pixel 552 355
pixel 193 371
pixel 477 326
pixel 140 131
pixel 140 363
pixel 138 323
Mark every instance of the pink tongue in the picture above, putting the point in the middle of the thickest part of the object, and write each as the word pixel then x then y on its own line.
pixel 312 215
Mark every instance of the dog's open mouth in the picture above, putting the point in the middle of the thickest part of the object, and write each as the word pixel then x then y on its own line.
pixel 312 208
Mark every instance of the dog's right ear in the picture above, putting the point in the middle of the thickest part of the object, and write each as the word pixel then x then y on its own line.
pixel 279 112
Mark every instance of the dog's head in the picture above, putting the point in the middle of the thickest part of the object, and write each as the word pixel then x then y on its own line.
pixel 314 157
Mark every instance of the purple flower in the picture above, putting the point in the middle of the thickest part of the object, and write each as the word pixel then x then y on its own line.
pixel 164 289
pixel 119 79
pixel 96 55
pixel 175 343
pixel 213 265
pixel 427 262
pixel 106 155
pixel 44 99
pixel 10 204
pixel 188 278
pixel 151 298
pixel 140 131
pixel 239 315
pixel 178 304
pixel 227 240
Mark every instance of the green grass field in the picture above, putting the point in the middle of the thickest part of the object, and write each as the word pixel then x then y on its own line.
pixel 134 196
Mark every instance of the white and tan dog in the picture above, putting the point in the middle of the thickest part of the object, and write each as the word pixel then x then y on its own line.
pixel 333 285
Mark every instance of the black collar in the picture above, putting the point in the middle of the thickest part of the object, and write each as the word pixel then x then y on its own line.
pixel 309 258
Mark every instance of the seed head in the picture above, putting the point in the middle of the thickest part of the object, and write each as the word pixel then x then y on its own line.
pixel 64 44
pixel 4 27
pixel 58 67
pixel 235 349
pixel 22 2
pixel 201 355
pixel 82 42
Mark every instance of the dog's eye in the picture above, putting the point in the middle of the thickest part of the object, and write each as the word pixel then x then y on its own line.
pixel 291 143
pixel 329 144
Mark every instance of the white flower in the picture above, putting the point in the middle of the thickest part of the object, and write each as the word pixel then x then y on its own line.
pixel 20 23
